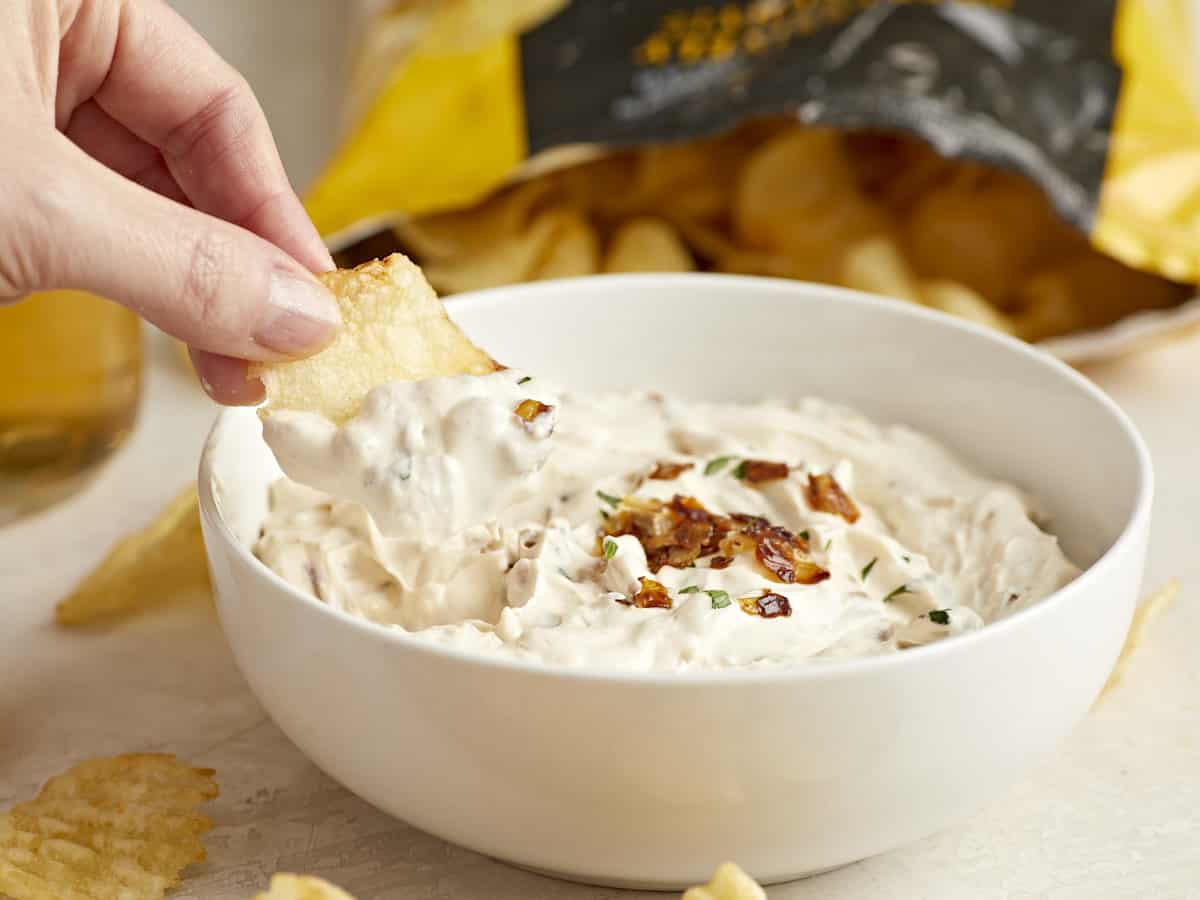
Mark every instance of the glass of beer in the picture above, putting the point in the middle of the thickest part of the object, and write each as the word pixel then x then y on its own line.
pixel 70 381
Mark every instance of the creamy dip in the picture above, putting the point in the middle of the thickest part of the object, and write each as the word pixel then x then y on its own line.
pixel 769 533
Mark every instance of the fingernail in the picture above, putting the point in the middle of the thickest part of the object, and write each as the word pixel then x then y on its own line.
pixel 301 316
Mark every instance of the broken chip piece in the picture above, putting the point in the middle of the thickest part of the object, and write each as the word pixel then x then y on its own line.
pixel 729 882
pixel 1146 613
pixel 285 886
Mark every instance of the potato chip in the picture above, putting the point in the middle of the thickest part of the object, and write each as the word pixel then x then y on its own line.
pixel 449 235
pixel 574 251
pixel 894 169
pixel 785 182
pixel 876 265
pixel 729 882
pixel 607 187
pixel 1088 291
pixel 393 328
pixel 1146 613
pixel 647 245
pixel 986 230
pixel 145 568
pixel 959 300
pixel 285 886
pixel 692 179
pixel 509 260
pixel 121 828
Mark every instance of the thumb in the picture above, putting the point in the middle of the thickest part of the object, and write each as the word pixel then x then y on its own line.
pixel 213 285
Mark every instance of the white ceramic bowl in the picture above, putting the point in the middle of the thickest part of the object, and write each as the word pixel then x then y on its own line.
pixel 650 780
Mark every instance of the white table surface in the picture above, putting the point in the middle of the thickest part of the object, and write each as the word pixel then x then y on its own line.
pixel 1115 814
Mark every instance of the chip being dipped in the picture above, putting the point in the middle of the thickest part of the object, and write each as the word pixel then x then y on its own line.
pixel 393 328
pixel 121 828
pixel 403 415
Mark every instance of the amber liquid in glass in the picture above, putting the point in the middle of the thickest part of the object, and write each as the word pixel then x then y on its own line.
pixel 70 380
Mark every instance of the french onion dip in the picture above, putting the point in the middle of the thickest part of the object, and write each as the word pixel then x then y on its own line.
pixel 633 531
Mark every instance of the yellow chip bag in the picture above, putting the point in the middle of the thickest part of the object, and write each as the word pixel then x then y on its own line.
pixel 781 138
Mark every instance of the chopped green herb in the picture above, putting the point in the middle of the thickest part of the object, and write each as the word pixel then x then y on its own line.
pixel 690 589
pixel 610 548
pixel 828 544
pixel 563 573
pixel 524 380
pixel 907 559
pixel 940 616
pixel 868 567
pixel 720 599
pixel 691 565
pixel 609 498
pixel 740 471
pixel 804 535
pixel 604 514
pixel 903 589
pixel 716 465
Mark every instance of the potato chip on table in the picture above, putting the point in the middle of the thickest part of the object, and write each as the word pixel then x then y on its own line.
pixel 1147 611
pixel 285 886
pixel 729 882
pixel 144 568
pixel 121 828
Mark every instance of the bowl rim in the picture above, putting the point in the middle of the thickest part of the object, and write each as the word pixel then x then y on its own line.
pixel 1136 524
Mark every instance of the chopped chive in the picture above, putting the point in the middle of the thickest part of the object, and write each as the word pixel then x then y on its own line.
pixel 903 589
pixel 563 573
pixel 940 616
pixel 720 599
pixel 740 471
pixel 527 378
pixel 690 589
pixel 716 465
pixel 907 559
pixel 828 544
pixel 610 548
pixel 604 514
pixel 868 567
pixel 609 498
pixel 804 535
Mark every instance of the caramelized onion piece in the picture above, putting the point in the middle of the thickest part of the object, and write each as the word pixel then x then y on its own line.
pixel 673 533
pixel 759 470
pixel 530 409
pixel 666 471
pixel 680 531
pixel 651 594
pixel 824 494
pixel 768 605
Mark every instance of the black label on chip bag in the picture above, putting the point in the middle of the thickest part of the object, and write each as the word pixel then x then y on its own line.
pixel 1025 84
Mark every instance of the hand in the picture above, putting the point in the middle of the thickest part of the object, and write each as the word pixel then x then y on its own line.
pixel 136 164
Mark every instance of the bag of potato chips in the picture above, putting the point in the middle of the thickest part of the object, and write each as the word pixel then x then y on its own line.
pixel 1032 166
